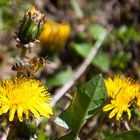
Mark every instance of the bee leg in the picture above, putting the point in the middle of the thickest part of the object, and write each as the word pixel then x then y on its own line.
pixel 29 75
pixel 21 74
pixel 18 74
pixel 33 75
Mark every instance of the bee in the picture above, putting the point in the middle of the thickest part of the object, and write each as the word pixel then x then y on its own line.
pixel 29 67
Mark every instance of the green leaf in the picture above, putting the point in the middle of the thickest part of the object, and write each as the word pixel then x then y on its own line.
pixel 127 33
pixel 101 60
pixel 97 31
pixel 87 101
pixel 61 123
pixel 26 129
pixel 59 79
pixel 130 135
pixel 82 49
pixel 41 136
pixel 77 8
pixel 70 136
pixel 1 21
pixel 120 59
pixel 5 2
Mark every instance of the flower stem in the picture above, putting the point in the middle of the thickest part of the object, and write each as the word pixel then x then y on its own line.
pixel 23 52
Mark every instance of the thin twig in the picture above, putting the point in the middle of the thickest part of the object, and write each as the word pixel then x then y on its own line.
pixel 127 126
pixel 78 72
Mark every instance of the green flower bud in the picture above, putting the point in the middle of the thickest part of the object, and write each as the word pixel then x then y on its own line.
pixel 31 26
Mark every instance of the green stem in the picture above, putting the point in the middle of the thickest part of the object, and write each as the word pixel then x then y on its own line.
pixel 23 52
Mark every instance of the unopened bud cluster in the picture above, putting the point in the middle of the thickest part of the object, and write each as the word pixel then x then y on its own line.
pixel 30 27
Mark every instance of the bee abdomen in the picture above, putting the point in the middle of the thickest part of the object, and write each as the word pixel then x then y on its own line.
pixel 16 66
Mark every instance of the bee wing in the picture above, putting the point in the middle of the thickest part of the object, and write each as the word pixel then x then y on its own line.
pixel 47 61
pixel 25 64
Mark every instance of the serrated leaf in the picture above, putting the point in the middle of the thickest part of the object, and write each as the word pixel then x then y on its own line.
pixel 70 136
pixel 129 135
pixel 87 101
pixel 101 60
pixel 59 79
pixel 97 31
pixel 120 59
pixel 61 123
pixel 82 49
pixel 77 8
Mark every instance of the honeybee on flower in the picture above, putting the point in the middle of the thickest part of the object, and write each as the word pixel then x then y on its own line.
pixel 28 67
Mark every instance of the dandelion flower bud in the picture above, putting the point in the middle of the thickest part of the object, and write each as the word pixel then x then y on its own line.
pixel 30 26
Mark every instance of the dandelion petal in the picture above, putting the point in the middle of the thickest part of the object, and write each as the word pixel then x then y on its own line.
pixel 12 113
pixel 20 112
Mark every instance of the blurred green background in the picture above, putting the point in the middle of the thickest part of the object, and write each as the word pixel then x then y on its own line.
pixel 89 19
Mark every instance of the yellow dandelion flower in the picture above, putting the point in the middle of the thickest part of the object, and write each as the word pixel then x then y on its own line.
pixel 138 100
pixel 23 95
pixel 54 35
pixel 121 91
